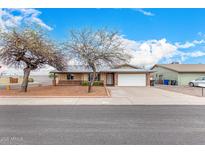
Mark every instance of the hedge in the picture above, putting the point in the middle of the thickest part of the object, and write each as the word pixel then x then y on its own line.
pixel 96 83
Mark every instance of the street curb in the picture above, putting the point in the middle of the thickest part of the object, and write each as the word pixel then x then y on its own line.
pixel 2 97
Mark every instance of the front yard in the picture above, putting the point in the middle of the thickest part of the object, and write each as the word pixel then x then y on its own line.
pixel 194 91
pixel 56 91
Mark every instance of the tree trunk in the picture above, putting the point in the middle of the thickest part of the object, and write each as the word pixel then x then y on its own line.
pixel 24 84
pixel 92 81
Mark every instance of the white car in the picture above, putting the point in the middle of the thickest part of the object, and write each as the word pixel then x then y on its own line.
pixel 196 82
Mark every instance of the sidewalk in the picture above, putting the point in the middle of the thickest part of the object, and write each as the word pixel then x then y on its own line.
pixel 99 101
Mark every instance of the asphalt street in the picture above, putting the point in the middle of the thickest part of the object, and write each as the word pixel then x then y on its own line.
pixel 102 124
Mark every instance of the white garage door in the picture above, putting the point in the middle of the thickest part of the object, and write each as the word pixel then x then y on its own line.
pixel 131 79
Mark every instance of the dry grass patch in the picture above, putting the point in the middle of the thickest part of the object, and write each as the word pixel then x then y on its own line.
pixel 56 91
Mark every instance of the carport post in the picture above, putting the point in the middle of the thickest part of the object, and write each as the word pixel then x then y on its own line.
pixel 202 91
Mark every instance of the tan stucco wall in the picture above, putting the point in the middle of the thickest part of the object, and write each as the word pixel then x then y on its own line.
pixel 147 79
pixel 62 76
pixel 182 78
pixel 167 74
pixel 185 78
pixel 77 76
pixel 116 79
pixel 6 80
pixel 84 77
pixel 103 77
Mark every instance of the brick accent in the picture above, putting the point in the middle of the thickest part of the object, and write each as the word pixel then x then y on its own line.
pixel 116 79
pixel 147 79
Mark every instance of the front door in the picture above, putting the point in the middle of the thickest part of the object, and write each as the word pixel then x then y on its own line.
pixel 110 79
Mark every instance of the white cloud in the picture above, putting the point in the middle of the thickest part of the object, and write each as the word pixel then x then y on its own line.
pixel 10 18
pixel 150 52
pixel 182 56
pixel 189 44
pixel 201 34
pixel 146 13
pixel 41 23
pixel 185 45
pixel 32 14
pixel 196 54
pixel 145 53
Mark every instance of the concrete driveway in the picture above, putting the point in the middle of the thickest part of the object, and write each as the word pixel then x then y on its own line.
pixel 194 91
pixel 151 95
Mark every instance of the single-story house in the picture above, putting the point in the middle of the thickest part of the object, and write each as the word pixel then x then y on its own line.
pixel 10 79
pixel 181 73
pixel 121 75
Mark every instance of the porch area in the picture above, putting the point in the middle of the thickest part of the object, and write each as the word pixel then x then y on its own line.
pixel 77 83
pixel 78 79
pixel 69 82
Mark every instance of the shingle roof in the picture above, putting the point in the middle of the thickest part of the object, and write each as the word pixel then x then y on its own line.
pixel 184 68
pixel 129 65
pixel 83 69
pixel 125 70
pixel 75 69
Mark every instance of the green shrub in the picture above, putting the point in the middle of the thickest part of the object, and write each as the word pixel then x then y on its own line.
pixel 51 75
pixel 84 83
pixel 96 83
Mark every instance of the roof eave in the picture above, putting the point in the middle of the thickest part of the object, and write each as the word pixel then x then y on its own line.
pixel 147 71
pixel 164 67
pixel 191 71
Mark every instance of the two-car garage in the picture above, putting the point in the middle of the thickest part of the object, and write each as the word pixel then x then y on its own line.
pixel 128 75
pixel 131 79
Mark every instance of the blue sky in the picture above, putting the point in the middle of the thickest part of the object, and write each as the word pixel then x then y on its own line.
pixel 174 24
pixel 153 35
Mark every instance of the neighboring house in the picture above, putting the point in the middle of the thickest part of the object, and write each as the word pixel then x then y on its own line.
pixel 10 79
pixel 182 73
pixel 122 75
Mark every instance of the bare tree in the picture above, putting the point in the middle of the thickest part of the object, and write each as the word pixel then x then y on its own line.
pixel 30 49
pixel 96 48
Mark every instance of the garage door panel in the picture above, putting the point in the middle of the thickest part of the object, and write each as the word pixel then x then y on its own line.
pixel 131 79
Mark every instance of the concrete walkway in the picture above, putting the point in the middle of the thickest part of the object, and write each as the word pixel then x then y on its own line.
pixel 120 96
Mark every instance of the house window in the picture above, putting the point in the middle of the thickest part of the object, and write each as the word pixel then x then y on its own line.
pixel 90 77
pixel 70 76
